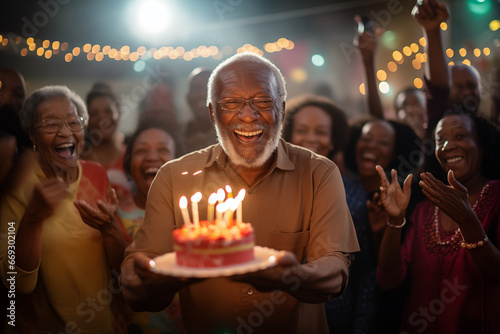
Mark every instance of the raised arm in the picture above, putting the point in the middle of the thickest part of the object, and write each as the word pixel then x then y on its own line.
pixel 366 42
pixel 28 242
pixel 395 201
pixel 429 14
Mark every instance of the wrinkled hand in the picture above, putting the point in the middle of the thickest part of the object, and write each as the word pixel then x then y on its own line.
pixel 102 218
pixel 452 199
pixel 376 213
pixel 430 13
pixel 46 197
pixel 394 199
pixel 272 278
pixel 144 290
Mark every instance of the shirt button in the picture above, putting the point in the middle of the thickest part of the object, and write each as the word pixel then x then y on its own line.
pixel 250 292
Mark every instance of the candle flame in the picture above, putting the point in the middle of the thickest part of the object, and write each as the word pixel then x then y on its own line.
pixel 196 197
pixel 241 195
pixel 222 207
pixel 229 190
pixel 183 202
pixel 230 203
pixel 212 199
pixel 220 195
pixel 233 204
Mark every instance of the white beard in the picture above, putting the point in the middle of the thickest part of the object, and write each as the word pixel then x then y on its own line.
pixel 223 136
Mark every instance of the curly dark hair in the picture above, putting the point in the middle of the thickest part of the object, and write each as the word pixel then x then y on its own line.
pixel 407 147
pixel 340 126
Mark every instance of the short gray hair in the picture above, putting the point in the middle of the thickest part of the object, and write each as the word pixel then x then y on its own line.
pixel 242 58
pixel 28 112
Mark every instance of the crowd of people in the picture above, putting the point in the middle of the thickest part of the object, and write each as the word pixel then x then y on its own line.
pixel 375 233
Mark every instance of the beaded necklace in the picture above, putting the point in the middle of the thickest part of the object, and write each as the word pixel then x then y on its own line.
pixel 457 231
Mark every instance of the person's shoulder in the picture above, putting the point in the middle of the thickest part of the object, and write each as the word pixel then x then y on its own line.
pixel 92 166
pixel 298 154
pixel 198 158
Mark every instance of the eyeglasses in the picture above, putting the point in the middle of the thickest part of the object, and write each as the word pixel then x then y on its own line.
pixel 53 125
pixel 257 103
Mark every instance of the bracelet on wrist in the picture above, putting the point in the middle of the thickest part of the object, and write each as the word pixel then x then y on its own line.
pixel 396 226
pixel 476 244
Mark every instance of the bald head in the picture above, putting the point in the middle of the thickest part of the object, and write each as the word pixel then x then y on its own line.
pixel 465 86
pixel 197 91
pixel 12 89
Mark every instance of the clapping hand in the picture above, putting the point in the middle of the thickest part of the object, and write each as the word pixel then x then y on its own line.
pixel 394 199
pixel 452 199
pixel 46 197
pixel 101 218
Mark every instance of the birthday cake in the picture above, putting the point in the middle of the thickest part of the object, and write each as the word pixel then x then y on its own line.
pixel 209 245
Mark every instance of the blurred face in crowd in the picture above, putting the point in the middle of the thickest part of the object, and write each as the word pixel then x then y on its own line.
pixel 59 146
pixel 312 129
pixel 375 146
pixel 465 86
pixel 411 109
pixel 197 95
pixel 12 89
pixel 103 118
pixel 457 147
pixel 151 149
pixel 249 136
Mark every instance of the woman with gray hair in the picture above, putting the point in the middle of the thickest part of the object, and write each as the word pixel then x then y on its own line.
pixel 61 244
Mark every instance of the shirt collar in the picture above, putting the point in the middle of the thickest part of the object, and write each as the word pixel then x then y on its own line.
pixel 281 161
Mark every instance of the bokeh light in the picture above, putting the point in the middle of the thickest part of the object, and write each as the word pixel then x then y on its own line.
pixel 494 25
pixel 153 17
pixel 397 56
pixel 362 89
pixel 418 83
pixel 318 60
pixel 298 74
pixel 384 87
pixel 381 75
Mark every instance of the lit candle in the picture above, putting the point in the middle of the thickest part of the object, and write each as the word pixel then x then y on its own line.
pixel 183 203
pixel 221 195
pixel 233 206
pixel 194 207
pixel 210 209
pixel 239 210
pixel 221 209
pixel 228 216
pixel 229 191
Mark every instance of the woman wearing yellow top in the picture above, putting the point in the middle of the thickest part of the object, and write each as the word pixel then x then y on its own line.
pixel 68 247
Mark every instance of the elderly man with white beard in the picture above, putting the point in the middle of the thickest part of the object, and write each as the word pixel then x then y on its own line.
pixel 295 202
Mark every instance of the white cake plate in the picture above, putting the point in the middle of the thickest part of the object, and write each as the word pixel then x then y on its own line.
pixel 264 258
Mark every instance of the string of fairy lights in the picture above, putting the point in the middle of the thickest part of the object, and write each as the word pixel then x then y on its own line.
pixel 94 52
pixel 413 49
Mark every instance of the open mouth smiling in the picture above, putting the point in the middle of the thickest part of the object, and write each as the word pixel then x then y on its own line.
pixel 65 151
pixel 248 136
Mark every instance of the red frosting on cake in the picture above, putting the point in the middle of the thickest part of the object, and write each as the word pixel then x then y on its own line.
pixel 212 245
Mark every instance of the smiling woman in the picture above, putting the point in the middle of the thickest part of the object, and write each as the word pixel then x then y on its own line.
pixel 148 149
pixel 67 237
